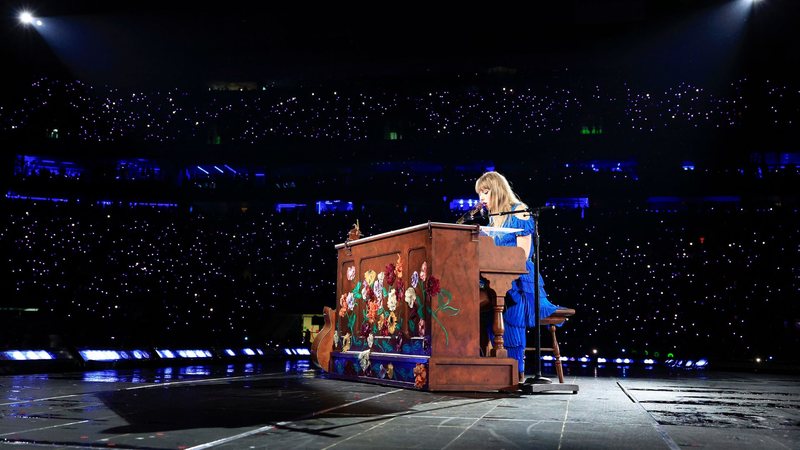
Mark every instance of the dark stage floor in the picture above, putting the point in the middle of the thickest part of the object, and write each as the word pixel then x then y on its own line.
pixel 270 405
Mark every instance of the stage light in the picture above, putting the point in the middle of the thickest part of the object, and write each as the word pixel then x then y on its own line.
pixel 248 352
pixel 302 351
pixel 601 360
pixel 583 359
pixel 100 355
pixel 229 352
pixel 26 17
pixel 701 363
pixel 165 354
pixel 649 361
pixel 26 355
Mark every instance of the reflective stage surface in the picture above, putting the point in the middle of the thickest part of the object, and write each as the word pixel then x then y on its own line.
pixel 289 405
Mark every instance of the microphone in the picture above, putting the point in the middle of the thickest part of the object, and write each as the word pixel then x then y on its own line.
pixel 469 217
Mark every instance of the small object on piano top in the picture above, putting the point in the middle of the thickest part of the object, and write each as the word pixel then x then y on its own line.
pixel 355 232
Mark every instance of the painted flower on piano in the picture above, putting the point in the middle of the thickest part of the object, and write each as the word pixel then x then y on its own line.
pixel 420 375
pixel 392 323
pixel 363 361
pixel 343 305
pixel 377 289
pixel 423 272
pixel 346 342
pixel 369 277
pixel 398 268
pixel 367 293
pixel 382 329
pixel 415 279
pixel 372 313
pixel 391 303
pixel 421 327
pixel 351 301
pixel 400 285
pixel 432 287
pixel 351 273
pixel 381 276
pixel 389 275
pixel 411 296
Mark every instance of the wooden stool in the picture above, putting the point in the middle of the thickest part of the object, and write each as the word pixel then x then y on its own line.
pixel 558 317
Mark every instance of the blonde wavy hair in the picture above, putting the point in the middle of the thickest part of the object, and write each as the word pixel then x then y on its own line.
pixel 502 196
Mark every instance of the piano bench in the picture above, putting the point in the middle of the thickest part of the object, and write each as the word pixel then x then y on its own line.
pixel 558 317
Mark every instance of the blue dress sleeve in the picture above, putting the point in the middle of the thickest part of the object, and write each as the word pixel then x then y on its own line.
pixel 525 224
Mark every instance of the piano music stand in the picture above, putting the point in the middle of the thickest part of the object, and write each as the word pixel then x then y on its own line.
pixel 537 383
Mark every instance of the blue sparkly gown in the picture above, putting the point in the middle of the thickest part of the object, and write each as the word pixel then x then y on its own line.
pixel 520 300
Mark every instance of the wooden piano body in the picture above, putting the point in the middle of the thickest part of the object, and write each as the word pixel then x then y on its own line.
pixel 419 340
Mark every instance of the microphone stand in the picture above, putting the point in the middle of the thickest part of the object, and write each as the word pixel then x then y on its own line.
pixel 537 383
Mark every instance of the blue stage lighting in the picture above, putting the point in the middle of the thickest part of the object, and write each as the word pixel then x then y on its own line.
pixel 167 354
pixel 26 355
pixel 100 355
pixel 701 363
pixel 649 361
pixel 229 352
pixel 463 204
pixel 324 206
pixel 601 360
pixel 248 352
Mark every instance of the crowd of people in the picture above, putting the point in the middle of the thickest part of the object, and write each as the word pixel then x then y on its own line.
pixel 700 282
pixel 658 254
pixel 79 111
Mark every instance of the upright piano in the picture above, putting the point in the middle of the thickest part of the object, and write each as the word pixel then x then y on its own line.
pixel 408 310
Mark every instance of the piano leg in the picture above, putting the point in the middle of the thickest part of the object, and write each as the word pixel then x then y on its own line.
pixel 499 329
